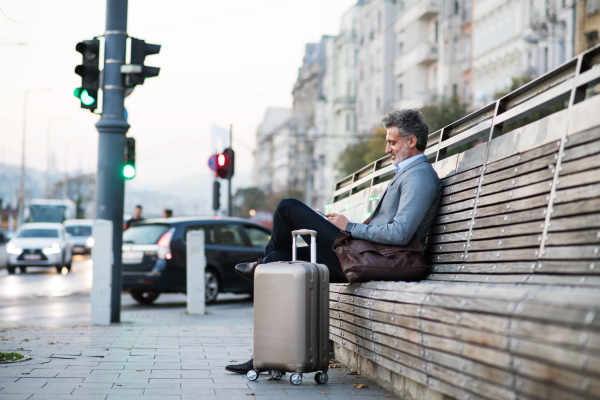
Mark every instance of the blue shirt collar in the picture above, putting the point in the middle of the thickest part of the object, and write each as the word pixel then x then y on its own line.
pixel 405 163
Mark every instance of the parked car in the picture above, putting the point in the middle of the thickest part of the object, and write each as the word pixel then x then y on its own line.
pixel 154 255
pixel 41 245
pixel 81 232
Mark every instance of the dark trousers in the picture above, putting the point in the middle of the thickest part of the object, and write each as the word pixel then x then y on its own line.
pixel 292 214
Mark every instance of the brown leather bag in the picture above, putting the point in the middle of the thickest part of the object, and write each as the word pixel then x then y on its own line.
pixel 363 261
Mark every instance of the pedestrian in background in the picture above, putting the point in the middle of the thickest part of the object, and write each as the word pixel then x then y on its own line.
pixel 137 216
pixel 167 213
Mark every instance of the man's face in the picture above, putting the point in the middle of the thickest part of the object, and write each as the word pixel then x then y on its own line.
pixel 397 146
pixel 137 213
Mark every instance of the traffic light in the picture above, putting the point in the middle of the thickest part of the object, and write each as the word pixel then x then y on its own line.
pixel 89 72
pixel 136 71
pixel 225 164
pixel 129 167
pixel 216 195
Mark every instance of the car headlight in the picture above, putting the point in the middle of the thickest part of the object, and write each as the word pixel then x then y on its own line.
pixel 55 249
pixel 90 242
pixel 12 249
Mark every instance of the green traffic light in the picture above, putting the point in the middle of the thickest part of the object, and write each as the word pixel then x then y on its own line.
pixel 128 171
pixel 84 96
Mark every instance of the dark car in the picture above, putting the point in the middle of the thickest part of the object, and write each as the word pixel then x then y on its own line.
pixel 154 255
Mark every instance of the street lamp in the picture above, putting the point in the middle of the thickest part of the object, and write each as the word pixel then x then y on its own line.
pixel 22 183
pixel 49 150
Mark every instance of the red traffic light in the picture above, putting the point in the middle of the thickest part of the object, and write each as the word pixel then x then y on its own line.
pixel 221 160
pixel 225 162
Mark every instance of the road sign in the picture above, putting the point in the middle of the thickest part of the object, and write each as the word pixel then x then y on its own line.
pixel 212 162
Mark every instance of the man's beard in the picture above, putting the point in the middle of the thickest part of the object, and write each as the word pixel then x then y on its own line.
pixel 400 156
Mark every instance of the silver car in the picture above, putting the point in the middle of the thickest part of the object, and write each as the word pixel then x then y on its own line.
pixel 81 233
pixel 41 245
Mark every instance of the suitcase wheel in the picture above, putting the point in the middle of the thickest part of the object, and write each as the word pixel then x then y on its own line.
pixel 296 379
pixel 321 378
pixel 252 375
pixel 276 375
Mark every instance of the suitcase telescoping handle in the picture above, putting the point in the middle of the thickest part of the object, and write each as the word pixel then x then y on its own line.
pixel 313 243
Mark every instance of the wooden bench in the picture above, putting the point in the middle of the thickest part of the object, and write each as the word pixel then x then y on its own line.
pixel 511 308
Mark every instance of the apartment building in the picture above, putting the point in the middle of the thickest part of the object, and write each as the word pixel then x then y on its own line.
pixel 377 89
pixel 516 38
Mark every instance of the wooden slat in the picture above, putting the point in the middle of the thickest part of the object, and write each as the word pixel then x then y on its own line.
pixel 557 280
pixel 459 216
pixel 455 207
pixel 581 151
pixel 458 197
pixel 574 223
pixel 578 179
pixel 576 208
pixel 447 228
pixel 583 137
pixel 581 164
pixel 520 181
pixel 465 350
pixel 508 230
pixel 586 299
pixel 463 176
pixel 577 193
pixel 511 162
pixel 506 243
pixel 538 214
pixel 412 316
pixel 461 380
pixel 512 206
pixel 450 237
pixel 429 381
pixel 534 165
pixel 459 187
pixel 518 193
pixel 569 267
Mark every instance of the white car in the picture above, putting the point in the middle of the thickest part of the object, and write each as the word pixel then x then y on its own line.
pixel 81 233
pixel 39 244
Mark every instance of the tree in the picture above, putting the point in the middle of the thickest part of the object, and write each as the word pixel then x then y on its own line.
pixel 247 199
pixel 516 82
pixel 362 153
pixel 442 113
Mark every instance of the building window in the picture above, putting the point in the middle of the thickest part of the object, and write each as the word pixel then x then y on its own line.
pixel 400 48
pixel 456 7
pixel 348 122
pixel 454 50
pixel 467 95
pixel 545 60
pixel 454 91
pixel 379 22
pixel 436 33
pixel 400 91
pixel 349 89
pixel 593 6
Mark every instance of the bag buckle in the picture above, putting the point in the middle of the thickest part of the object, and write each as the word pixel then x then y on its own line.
pixel 387 253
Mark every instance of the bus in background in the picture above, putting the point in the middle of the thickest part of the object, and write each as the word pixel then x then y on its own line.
pixel 50 210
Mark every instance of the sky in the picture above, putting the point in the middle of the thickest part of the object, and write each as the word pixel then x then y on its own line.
pixel 222 62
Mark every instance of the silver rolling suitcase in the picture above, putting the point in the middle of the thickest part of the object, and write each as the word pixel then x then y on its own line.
pixel 291 317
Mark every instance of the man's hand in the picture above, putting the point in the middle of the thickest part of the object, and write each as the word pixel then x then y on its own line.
pixel 338 220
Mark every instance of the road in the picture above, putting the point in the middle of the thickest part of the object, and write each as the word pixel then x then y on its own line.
pixel 44 297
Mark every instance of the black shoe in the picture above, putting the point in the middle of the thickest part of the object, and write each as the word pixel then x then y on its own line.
pixel 246 270
pixel 241 368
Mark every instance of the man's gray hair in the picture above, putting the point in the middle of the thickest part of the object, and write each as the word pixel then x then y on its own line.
pixel 410 122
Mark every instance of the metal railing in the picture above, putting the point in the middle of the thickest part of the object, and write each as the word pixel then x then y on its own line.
pixel 450 150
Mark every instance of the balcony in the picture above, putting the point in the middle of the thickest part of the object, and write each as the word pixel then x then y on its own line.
pixel 425 10
pixel 344 103
pixel 423 54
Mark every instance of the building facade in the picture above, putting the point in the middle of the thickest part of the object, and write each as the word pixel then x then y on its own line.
pixel 518 38
pixel 376 89
pixel 587 25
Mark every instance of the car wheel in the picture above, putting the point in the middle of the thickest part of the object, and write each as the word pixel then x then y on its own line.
pixel 69 265
pixel 58 268
pixel 23 269
pixel 212 285
pixel 10 269
pixel 144 297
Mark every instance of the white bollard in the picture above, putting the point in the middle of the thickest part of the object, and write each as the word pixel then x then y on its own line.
pixel 102 262
pixel 195 269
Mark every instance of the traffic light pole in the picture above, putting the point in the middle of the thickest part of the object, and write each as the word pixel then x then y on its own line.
pixel 112 128
pixel 229 183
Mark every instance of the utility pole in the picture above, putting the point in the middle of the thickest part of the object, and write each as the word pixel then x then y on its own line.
pixel 112 128
pixel 229 186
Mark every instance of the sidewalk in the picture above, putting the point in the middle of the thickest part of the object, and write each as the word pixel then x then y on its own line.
pixel 155 353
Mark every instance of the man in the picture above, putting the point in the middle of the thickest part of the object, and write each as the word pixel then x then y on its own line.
pixel 407 207
pixel 167 213
pixel 137 216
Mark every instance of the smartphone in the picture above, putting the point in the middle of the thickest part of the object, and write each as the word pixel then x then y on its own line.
pixel 320 212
